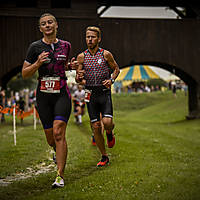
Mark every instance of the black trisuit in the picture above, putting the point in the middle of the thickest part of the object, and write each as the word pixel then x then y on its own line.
pixel 52 104
pixel 96 71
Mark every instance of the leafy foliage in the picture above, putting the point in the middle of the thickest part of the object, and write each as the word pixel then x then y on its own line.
pixel 17 83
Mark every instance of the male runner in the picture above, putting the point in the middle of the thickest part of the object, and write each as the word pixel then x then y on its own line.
pixel 95 65
pixel 79 104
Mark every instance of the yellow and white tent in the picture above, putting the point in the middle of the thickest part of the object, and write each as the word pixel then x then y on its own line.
pixel 136 73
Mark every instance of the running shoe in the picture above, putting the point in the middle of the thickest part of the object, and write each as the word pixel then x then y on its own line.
pixel 54 158
pixel 59 182
pixel 93 141
pixel 104 161
pixel 110 139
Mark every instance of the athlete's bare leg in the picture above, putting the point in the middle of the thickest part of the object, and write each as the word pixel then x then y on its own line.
pixel 78 111
pixel 57 139
pixel 99 138
pixel 78 114
pixel 102 128
pixel 108 124
pixel 49 137
pixel 59 130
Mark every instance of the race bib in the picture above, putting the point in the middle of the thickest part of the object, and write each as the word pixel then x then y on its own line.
pixel 50 85
pixel 87 95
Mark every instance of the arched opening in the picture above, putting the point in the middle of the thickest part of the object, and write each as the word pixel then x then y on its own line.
pixel 193 89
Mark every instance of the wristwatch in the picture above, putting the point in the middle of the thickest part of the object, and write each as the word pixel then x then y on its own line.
pixel 112 80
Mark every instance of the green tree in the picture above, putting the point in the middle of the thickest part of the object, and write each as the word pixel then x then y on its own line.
pixel 17 83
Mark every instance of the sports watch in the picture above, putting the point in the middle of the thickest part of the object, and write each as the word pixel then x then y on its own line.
pixel 112 80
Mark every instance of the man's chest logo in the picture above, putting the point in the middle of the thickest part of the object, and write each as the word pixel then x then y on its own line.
pixel 99 61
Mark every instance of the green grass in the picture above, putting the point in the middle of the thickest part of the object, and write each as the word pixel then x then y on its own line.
pixel 157 155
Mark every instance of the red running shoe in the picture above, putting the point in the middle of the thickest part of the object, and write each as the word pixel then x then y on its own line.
pixel 110 139
pixel 93 141
pixel 104 161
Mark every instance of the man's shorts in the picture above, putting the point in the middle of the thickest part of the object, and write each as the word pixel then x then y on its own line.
pixel 100 102
pixel 53 106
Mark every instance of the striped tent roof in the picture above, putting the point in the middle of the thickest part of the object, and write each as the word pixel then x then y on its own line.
pixel 136 73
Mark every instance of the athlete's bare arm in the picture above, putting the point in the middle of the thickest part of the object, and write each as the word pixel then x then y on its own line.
pixel 29 69
pixel 113 65
pixel 80 72
pixel 73 64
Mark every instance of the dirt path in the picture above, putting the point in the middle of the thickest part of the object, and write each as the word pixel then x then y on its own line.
pixel 31 171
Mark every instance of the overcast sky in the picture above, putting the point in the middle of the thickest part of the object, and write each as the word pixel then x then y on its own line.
pixel 143 12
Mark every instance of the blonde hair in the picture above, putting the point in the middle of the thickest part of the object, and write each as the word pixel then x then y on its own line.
pixel 47 14
pixel 95 29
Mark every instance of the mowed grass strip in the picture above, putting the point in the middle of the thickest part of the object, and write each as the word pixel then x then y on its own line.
pixel 156 155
